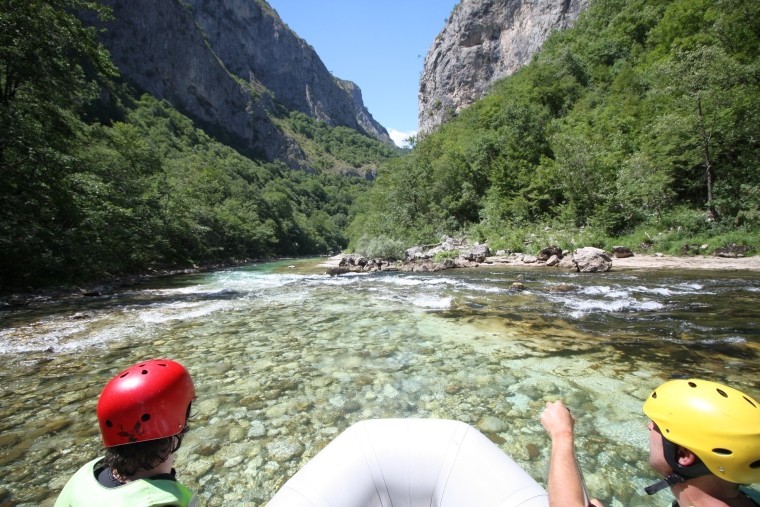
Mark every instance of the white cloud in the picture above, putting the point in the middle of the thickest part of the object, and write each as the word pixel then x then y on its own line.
pixel 400 137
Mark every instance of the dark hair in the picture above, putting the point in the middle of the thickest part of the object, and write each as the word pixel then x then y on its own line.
pixel 127 459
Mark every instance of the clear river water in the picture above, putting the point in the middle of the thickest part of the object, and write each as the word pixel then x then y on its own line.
pixel 285 357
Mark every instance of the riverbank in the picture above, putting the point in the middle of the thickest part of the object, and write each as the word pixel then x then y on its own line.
pixel 696 262
pixel 634 262
pixel 638 261
pixel 107 286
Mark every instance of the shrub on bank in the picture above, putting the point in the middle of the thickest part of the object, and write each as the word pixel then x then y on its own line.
pixel 381 247
pixel 532 239
pixel 445 255
pixel 680 237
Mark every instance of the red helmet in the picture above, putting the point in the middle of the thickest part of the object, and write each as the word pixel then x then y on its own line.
pixel 147 401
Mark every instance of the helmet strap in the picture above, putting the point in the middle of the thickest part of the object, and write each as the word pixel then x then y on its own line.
pixel 680 473
pixel 667 482
pixel 692 471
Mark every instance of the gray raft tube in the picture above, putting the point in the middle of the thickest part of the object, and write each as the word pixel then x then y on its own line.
pixel 411 463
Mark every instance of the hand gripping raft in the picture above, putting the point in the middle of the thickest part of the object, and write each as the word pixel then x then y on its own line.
pixel 411 463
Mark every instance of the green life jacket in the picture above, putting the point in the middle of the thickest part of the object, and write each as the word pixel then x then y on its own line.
pixel 752 494
pixel 83 490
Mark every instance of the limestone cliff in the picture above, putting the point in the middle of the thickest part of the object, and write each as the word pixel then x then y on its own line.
pixel 231 65
pixel 483 41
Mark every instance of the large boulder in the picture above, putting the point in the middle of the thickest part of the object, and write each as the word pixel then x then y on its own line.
pixel 591 260
pixel 546 253
pixel 621 252
pixel 478 253
pixel 353 260
pixel 567 262
pixel 417 252
pixel 732 251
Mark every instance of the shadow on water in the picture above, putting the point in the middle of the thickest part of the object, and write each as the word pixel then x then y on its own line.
pixel 80 307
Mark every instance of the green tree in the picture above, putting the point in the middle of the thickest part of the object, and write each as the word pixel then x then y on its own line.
pixel 706 93
pixel 50 67
pixel 643 188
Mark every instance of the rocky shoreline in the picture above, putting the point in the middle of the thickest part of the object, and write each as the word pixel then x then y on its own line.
pixel 451 253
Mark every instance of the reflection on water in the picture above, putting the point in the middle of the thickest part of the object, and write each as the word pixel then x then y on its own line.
pixel 284 359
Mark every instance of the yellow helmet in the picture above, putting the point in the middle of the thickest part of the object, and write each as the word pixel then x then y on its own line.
pixel 719 424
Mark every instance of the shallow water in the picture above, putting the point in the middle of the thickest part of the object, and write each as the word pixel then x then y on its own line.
pixel 284 359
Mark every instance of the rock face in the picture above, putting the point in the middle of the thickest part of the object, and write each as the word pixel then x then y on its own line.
pixel 229 64
pixel 483 41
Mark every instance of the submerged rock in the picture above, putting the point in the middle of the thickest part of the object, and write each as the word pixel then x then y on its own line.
pixel 257 429
pixel 338 271
pixel 562 288
pixel 491 424
pixel 284 450
pixel 534 452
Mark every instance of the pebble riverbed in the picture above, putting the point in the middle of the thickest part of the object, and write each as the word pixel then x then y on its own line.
pixel 284 359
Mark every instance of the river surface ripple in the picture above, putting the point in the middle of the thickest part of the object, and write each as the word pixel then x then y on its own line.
pixel 284 359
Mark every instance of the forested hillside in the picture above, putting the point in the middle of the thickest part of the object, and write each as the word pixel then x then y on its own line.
pixel 640 126
pixel 98 181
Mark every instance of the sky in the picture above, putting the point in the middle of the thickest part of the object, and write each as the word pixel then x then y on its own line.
pixel 378 44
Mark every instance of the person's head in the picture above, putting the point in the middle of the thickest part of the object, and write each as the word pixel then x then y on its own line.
pixel 143 413
pixel 699 428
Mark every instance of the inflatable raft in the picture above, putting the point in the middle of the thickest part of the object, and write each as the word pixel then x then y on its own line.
pixel 411 463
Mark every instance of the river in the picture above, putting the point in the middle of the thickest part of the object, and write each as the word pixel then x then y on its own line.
pixel 284 358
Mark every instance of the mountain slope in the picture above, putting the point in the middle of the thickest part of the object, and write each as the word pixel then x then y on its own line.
pixel 233 66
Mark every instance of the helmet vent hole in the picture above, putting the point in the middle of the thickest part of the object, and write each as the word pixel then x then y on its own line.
pixel 755 464
pixel 145 372
pixel 722 452
pixel 692 384
pixel 654 395
pixel 145 418
pixel 722 393
pixel 124 374
pixel 109 423
pixel 750 401
pixel 162 364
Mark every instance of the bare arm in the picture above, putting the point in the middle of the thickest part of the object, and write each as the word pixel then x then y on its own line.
pixel 565 482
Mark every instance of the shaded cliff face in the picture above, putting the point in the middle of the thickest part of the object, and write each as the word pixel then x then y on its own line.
pixel 483 41
pixel 229 64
